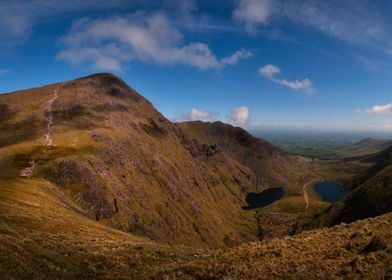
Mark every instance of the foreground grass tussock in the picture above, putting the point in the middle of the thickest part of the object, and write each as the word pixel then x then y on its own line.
pixel 362 250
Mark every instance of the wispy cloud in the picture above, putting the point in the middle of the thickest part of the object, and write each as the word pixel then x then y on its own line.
pixel 236 57
pixel 270 71
pixel 358 22
pixel 109 44
pixel 4 71
pixel 18 17
pixel 240 115
pixel 15 29
pixel 377 109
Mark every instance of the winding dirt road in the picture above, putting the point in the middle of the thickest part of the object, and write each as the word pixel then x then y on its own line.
pixel 306 197
pixel 318 177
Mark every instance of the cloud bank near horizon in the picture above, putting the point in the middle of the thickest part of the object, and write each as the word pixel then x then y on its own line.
pixel 377 110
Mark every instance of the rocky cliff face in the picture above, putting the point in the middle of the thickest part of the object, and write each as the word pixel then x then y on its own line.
pixel 263 164
pixel 127 166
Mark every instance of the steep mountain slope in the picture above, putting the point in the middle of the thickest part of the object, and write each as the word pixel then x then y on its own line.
pixel 44 235
pixel 371 197
pixel 123 164
pixel 266 165
pixel 90 172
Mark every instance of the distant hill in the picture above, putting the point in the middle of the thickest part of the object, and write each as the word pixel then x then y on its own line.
pixel 369 143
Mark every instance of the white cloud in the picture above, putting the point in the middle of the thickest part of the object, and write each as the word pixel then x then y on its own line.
pixel 254 12
pixel 108 44
pixel 387 126
pixel 198 114
pixel 305 85
pixel 18 18
pixel 270 71
pixel 377 109
pixel 240 115
pixel 236 57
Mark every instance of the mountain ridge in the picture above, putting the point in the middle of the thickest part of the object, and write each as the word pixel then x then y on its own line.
pixel 96 183
pixel 127 166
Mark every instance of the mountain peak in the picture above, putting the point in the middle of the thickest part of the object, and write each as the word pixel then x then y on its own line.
pixel 105 78
pixel 104 83
pixel 111 152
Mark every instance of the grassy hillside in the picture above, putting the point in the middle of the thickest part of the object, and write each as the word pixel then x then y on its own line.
pixel 97 184
pixel 267 165
pixel 43 234
pixel 372 195
pixel 371 143
pixel 128 167
pixel 362 250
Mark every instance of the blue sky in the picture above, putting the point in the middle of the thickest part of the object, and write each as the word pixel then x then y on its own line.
pixel 309 64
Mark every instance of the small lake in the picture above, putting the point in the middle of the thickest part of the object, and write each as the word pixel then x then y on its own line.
pixel 330 191
pixel 264 198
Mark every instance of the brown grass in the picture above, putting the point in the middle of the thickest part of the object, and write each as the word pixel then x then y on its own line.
pixel 341 252
pixel 43 235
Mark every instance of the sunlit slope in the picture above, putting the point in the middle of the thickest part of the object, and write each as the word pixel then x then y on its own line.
pixel 361 250
pixel 125 165
pixel 91 174
pixel 44 235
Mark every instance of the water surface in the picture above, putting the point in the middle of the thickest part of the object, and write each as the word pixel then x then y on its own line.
pixel 330 191
pixel 264 198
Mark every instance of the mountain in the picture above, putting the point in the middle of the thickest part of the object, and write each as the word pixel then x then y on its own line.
pixel 95 183
pixel 262 163
pixel 371 143
pixel 123 164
